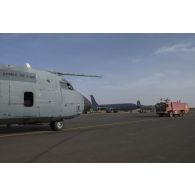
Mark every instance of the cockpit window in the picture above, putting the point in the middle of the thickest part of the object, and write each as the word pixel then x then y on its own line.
pixel 70 86
pixel 65 85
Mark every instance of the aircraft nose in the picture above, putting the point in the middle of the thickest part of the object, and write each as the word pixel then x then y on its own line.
pixel 87 105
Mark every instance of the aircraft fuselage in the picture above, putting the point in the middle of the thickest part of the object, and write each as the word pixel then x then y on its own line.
pixel 33 96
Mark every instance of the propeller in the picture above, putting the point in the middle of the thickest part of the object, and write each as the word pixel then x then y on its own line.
pixel 73 74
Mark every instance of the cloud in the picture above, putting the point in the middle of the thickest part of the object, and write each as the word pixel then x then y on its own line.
pixel 138 83
pixel 173 85
pixel 185 47
pixel 135 60
pixel 159 80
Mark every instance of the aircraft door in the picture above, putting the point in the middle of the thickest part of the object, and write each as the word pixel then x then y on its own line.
pixel 47 97
pixel 47 103
pixel 4 97
pixel 67 105
pixel 21 100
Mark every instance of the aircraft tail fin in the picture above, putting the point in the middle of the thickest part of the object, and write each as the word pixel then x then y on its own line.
pixel 139 104
pixel 94 103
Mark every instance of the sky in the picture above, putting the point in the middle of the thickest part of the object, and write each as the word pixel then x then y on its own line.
pixel 147 67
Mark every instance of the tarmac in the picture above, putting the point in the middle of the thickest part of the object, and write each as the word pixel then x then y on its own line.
pixel 103 138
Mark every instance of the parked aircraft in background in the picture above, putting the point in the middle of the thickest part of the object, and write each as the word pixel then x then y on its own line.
pixel 114 107
pixel 145 108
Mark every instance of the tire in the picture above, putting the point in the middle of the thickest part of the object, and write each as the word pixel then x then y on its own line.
pixel 171 115
pixel 108 111
pixel 181 114
pixel 57 125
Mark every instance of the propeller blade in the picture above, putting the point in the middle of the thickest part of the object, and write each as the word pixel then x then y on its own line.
pixel 73 74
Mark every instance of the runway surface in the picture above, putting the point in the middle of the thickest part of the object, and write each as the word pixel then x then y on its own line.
pixel 113 138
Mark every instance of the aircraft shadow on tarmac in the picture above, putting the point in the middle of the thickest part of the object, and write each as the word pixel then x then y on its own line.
pixel 23 129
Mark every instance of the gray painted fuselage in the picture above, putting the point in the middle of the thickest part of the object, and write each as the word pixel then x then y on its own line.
pixel 52 97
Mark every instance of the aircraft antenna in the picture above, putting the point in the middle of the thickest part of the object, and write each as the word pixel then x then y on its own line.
pixel 28 65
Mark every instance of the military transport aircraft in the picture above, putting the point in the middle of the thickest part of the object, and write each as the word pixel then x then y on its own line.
pixel 29 96
pixel 114 107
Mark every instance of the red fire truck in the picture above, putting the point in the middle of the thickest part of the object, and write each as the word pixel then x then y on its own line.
pixel 171 109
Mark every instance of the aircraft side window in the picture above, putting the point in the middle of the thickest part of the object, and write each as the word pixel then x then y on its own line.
pixel 28 99
pixel 70 86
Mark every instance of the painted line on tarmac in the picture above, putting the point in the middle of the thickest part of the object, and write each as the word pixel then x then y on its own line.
pixel 109 124
pixel 24 134
pixel 74 128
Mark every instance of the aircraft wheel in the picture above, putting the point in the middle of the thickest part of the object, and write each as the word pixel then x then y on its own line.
pixel 57 126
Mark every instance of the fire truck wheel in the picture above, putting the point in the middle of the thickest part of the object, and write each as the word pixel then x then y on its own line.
pixel 182 114
pixel 171 114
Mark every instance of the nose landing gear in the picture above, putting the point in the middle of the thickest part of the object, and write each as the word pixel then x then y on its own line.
pixel 57 125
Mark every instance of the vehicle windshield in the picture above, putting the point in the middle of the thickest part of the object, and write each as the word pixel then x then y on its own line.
pixel 161 106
